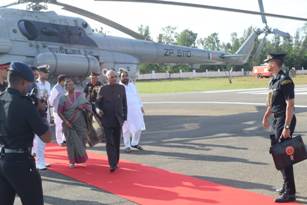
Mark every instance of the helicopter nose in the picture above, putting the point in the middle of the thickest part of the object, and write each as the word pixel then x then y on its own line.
pixel 5 45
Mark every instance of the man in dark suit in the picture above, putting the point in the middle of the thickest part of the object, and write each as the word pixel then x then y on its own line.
pixel 112 107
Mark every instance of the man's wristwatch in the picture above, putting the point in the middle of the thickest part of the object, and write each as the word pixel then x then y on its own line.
pixel 287 127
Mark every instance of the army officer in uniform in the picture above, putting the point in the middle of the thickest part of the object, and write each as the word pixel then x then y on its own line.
pixel 281 106
pixel 19 120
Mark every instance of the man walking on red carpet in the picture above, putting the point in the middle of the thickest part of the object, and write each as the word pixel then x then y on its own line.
pixel 135 124
pixel 112 108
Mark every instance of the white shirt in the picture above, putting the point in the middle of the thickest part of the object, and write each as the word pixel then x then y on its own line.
pixel 43 89
pixel 56 92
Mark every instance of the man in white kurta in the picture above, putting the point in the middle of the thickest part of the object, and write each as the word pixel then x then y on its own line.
pixel 133 127
pixel 43 87
pixel 56 92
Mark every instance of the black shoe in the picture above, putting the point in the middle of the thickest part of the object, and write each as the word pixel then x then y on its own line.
pixel 112 169
pixel 128 150
pixel 281 190
pixel 284 198
pixel 63 144
pixel 42 169
pixel 137 147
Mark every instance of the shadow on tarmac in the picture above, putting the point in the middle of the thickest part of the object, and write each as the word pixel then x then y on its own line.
pixel 57 201
pixel 53 177
pixel 199 157
pixel 238 183
pixel 181 132
pixel 163 128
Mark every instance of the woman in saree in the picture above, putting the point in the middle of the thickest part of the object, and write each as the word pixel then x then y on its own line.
pixel 71 108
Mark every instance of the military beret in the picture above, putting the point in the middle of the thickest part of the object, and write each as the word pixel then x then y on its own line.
pixel 4 65
pixel 94 74
pixel 275 56
pixel 43 68
pixel 22 70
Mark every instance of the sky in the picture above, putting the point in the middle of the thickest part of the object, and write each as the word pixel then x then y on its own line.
pixel 201 21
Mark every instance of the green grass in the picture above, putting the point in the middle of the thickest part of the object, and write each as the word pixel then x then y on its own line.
pixel 205 84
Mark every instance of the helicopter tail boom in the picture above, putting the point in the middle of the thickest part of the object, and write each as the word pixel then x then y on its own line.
pixel 243 53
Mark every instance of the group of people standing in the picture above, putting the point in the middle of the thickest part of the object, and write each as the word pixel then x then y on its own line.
pixel 118 107
pixel 25 121
pixel 115 104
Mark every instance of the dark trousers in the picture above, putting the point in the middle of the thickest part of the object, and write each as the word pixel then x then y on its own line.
pixel 18 175
pixel 287 173
pixel 113 135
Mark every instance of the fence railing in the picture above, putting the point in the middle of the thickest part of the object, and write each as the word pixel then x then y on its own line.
pixel 207 74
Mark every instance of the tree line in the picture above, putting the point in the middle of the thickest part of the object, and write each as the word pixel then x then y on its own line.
pixel 295 47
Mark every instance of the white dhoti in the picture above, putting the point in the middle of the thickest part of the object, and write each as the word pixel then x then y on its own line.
pixel 59 135
pixel 131 139
pixel 133 127
pixel 55 94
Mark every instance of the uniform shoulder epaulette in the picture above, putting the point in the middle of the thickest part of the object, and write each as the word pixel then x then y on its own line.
pixel 286 81
pixel 285 74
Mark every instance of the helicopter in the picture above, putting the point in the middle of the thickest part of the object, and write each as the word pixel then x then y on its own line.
pixel 70 46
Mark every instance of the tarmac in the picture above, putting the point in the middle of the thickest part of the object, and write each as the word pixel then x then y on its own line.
pixel 215 135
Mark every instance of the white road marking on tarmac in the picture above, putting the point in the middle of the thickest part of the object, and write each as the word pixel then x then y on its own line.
pixel 213 102
pixel 235 90
pixel 302 90
pixel 264 91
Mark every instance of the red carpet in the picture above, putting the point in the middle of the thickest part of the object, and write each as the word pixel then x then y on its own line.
pixel 148 185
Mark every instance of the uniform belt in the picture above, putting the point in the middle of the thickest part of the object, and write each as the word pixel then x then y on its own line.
pixel 14 151
pixel 279 114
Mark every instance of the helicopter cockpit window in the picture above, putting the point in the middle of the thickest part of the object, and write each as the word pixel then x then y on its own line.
pixel 49 32
pixel 28 29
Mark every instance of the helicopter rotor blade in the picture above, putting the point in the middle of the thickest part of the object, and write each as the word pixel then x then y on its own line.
pixel 280 33
pixel 262 11
pixel 209 7
pixel 100 19
pixel 8 5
